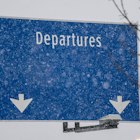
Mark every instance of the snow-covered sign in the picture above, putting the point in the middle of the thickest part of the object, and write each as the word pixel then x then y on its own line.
pixel 56 70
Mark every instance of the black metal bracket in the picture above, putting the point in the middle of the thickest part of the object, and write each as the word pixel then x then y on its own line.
pixel 105 123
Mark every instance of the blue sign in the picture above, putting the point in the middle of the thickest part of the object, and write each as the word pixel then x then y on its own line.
pixel 56 70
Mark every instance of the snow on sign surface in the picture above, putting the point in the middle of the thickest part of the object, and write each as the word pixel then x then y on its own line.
pixel 56 70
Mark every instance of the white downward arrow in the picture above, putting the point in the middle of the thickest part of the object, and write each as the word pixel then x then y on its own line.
pixel 21 104
pixel 119 105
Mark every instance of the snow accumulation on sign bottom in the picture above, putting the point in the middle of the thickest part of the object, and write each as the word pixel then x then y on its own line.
pixel 56 70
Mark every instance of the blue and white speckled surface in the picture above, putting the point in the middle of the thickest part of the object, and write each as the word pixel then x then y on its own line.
pixel 67 83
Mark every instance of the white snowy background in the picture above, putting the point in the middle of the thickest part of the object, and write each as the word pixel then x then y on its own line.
pixel 76 10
